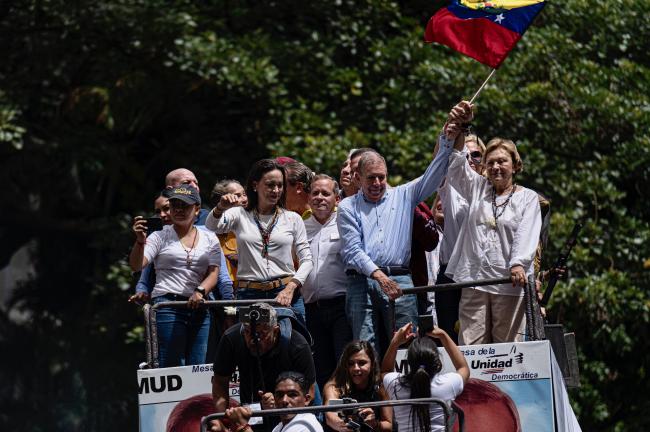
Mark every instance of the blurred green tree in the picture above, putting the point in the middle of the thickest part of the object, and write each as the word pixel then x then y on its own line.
pixel 98 100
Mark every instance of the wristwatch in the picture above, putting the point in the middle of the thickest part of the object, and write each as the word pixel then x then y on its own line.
pixel 200 289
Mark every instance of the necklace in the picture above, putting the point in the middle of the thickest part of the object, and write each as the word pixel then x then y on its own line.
pixel 266 232
pixel 188 259
pixel 498 209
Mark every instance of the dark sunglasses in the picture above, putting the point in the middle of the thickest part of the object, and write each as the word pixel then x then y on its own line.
pixel 476 156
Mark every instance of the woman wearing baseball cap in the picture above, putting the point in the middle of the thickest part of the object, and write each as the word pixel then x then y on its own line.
pixel 187 265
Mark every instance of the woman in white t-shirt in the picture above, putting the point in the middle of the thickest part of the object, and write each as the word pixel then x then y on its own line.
pixel 187 263
pixel 498 239
pixel 267 237
pixel 423 379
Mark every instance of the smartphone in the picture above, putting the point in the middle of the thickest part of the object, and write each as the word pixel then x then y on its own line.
pixel 153 224
pixel 425 324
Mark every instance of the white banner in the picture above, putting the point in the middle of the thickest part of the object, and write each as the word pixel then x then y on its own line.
pixel 172 398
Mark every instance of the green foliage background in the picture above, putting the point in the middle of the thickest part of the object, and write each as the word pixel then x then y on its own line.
pixel 98 100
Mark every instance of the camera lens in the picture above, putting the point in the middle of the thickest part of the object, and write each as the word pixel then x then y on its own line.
pixel 254 315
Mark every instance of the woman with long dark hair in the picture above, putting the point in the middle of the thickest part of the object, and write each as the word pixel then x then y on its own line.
pixel 357 377
pixel 423 379
pixel 267 236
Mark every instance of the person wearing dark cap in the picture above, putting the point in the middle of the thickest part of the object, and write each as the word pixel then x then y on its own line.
pixel 187 262
pixel 261 352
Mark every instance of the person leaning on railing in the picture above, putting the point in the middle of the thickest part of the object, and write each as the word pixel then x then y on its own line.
pixel 187 264
pixel 423 379
pixel 266 236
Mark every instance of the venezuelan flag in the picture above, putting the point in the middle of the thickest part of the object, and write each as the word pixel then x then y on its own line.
pixel 483 30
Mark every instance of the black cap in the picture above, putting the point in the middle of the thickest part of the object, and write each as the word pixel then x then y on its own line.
pixel 186 193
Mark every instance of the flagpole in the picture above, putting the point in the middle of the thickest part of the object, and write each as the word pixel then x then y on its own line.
pixel 478 92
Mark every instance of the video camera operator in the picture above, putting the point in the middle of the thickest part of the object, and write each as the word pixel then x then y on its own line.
pixel 261 352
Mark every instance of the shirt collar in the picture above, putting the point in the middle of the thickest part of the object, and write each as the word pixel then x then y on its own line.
pixel 381 200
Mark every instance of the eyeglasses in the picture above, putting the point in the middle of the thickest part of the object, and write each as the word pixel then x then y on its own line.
pixel 475 156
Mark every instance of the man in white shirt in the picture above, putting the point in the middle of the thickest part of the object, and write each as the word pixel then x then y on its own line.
pixel 325 287
pixel 291 391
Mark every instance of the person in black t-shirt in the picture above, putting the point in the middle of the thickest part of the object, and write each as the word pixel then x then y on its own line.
pixel 277 353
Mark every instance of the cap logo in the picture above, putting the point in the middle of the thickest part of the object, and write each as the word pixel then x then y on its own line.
pixel 182 191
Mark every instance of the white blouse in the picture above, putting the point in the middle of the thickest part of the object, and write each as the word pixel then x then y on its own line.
pixel 170 258
pixel 288 236
pixel 485 250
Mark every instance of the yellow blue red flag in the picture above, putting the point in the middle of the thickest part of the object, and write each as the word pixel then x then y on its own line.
pixel 483 30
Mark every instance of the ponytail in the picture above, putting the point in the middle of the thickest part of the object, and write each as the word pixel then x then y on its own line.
pixel 424 364
pixel 420 388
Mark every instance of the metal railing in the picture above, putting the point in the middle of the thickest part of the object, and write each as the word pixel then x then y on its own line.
pixel 534 320
pixel 533 315
pixel 450 418
pixel 455 285
pixel 151 332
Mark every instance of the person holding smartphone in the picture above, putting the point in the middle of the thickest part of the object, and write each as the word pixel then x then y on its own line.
pixel 423 379
pixel 187 262
pixel 147 278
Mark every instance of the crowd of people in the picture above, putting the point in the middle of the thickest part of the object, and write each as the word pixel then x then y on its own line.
pixel 335 257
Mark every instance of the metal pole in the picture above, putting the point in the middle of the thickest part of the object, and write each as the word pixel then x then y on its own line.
pixel 152 329
pixel 455 285
pixel 330 408
pixel 478 92
pixel 214 303
pixel 147 333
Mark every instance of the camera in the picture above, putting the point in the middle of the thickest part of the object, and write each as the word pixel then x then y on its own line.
pixel 254 314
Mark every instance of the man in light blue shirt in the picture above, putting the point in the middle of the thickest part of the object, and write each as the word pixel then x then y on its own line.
pixel 375 227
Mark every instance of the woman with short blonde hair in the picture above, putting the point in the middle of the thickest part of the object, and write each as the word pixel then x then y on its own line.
pixel 498 239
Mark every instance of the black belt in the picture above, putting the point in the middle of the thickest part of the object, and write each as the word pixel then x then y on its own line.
pixel 388 271
pixel 327 302
pixel 175 297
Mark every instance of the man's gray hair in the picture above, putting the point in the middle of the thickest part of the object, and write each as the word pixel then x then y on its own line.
pixel 326 177
pixel 369 158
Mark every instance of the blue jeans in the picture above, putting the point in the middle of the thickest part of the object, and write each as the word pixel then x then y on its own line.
pixel 297 304
pixel 182 334
pixel 370 313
